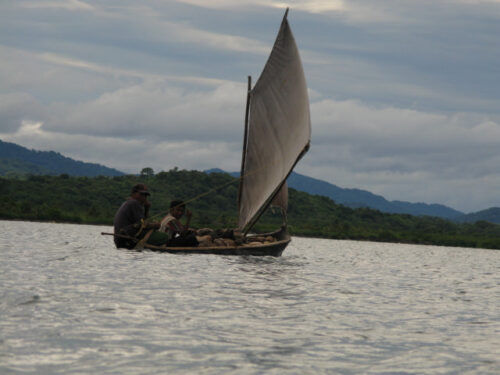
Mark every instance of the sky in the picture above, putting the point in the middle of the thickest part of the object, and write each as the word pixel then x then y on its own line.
pixel 404 94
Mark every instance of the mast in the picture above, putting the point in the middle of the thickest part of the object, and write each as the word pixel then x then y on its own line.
pixel 245 136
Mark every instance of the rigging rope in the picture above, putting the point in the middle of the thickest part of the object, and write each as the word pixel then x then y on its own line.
pixel 198 196
pixel 209 192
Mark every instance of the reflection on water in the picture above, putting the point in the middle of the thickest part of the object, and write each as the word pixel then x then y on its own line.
pixel 70 303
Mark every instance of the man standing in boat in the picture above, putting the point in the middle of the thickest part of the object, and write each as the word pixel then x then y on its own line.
pixel 130 219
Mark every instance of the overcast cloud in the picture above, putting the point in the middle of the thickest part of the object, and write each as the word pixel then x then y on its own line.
pixel 404 94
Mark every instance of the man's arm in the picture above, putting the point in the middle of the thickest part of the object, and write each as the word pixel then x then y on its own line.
pixel 147 205
pixel 138 212
pixel 188 218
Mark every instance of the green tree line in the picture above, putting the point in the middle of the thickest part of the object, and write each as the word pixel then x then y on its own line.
pixel 95 200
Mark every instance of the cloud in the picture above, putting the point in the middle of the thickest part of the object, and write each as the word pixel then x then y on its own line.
pixel 217 41
pixel 313 6
pixel 352 11
pixel 406 154
pixel 478 2
pixel 412 139
pixel 72 5
pixel 399 153
pixel 404 96
pixel 130 154
pixel 156 110
pixel 78 64
pixel 16 108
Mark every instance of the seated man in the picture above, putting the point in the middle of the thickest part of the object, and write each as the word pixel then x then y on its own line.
pixel 129 220
pixel 178 235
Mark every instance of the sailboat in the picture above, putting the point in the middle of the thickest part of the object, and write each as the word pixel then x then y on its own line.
pixel 276 136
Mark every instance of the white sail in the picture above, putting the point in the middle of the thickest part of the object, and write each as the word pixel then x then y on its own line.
pixel 279 128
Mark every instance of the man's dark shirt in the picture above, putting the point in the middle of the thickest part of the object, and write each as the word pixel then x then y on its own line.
pixel 128 221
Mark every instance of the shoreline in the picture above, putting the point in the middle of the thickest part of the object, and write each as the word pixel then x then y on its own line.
pixel 293 235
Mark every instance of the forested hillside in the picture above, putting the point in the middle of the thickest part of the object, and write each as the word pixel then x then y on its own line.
pixel 356 198
pixel 94 200
pixel 491 214
pixel 16 160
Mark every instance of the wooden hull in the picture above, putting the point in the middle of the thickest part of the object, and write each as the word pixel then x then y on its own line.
pixel 274 249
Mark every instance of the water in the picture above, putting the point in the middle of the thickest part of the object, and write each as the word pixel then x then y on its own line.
pixel 73 304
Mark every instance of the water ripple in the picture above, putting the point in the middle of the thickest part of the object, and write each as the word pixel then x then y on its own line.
pixel 72 304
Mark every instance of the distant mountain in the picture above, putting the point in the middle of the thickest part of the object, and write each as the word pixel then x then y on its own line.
pixel 491 214
pixel 18 160
pixel 12 167
pixel 356 198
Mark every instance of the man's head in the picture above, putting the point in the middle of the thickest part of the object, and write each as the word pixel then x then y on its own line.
pixel 177 208
pixel 140 192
